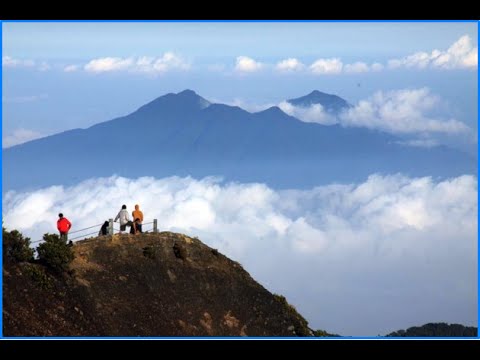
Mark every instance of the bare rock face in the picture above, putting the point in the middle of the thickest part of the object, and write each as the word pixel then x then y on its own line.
pixel 163 284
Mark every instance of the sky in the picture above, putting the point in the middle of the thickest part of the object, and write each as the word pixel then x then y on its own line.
pixel 373 257
pixel 65 75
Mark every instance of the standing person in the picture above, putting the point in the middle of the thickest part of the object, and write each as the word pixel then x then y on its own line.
pixel 104 229
pixel 63 226
pixel 138 218
pixel 124 219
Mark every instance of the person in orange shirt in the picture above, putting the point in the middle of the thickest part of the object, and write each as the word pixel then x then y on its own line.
pixel 138 218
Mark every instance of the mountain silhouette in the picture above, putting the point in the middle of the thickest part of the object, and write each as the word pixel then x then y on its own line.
pixel 184 134
pixel 331 103
pixel 437 330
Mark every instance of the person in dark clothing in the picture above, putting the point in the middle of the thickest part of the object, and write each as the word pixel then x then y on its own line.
pixel 138 225
pixel 134 229
pixel 104 229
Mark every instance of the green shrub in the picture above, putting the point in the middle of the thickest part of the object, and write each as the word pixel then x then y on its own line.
pixel 302 329
pixel 323 333
pixel 15 247
pixel 39 277
pixel 55 253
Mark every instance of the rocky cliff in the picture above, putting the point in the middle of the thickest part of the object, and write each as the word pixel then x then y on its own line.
pixel 163 284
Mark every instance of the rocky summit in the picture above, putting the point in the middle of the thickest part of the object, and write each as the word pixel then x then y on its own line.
pixel 162 284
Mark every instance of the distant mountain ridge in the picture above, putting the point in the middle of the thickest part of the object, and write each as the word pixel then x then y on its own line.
pixel 437 330
pixel 184 134
pixel 331 103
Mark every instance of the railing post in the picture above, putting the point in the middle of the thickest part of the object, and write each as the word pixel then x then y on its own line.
pixel 155 229
pixel 110 226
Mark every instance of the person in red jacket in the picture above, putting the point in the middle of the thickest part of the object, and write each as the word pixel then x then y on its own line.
pixel 63 225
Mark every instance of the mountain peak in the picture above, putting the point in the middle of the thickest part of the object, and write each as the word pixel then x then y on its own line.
pixel 190 94
pixel 331 103
pixel 184 101
pixel 192 97
pixel 272 110
pixel 187 92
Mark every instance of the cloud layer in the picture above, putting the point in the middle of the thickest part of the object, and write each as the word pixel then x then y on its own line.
pixel 327 66
pixel 152 65
pixel 314 113
pixel 461 55
pixel 344 255
pixel 405 111
pixel 245 64
pixel 289 65
pixel 401 111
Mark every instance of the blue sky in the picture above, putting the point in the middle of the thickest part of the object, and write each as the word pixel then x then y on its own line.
pixel 82 40
pixel 63 75
pixel 418 81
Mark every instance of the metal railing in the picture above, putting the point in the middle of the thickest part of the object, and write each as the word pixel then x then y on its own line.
pixel 111 230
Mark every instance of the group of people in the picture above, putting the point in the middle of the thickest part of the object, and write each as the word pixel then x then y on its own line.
pixel 124 218
pixel 64 225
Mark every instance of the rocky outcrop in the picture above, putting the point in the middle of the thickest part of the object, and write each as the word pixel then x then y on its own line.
pixel 162 284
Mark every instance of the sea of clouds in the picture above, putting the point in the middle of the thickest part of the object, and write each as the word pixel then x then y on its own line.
pixel 355 259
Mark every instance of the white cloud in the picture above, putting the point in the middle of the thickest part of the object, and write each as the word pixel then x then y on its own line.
pixel 246 64
pixel 336 66
pixel 401 111
pixel 461 55
pixel 20 136
pixel 71 68
pixel 358 67
pixel 8 61
pixel 108 64
pixel 404 112
pixel 314 113
pixel 169 61
pixel 327 66
pixel 289 65
pixel 342 254
pixel 377 67
pixel 152 65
